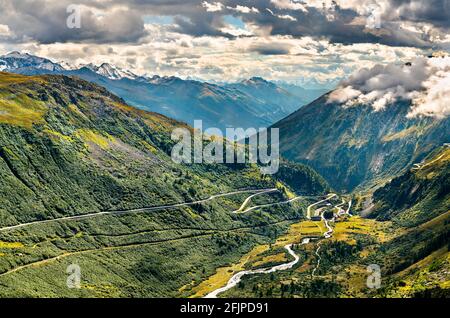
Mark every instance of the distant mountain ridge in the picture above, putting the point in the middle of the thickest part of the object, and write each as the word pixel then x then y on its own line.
pixel 304 95
pixel 111 71
pixel 250 103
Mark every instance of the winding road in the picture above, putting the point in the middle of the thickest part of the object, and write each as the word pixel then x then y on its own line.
pixel 420 166
pixel 101 249
pixel 208 232
pixel 273 204
pixel 247 200
pixel 236 278
pixel 139 210
pixel 328 233
pixel 308 210
pixel 348 209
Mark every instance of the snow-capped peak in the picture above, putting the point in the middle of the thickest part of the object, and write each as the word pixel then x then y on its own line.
pixel 111 71
pixel 17 61
pixel 68 66
pixel 17 55
pixel 158 80
pixel 24 62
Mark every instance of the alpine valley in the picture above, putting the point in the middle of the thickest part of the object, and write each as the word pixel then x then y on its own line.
pixel 87 180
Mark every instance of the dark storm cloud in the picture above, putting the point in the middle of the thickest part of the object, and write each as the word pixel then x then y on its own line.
pixel 337 24
pixel 200 24
pixel 113 21
pixel 46 22
pixel 271 49
pixel 435 12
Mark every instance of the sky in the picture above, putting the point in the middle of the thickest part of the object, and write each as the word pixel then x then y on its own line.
pixel 313 43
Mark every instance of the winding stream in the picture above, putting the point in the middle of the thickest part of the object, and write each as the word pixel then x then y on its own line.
pixel 238 276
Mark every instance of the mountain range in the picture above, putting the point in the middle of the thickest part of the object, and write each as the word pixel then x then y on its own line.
pixel 250 103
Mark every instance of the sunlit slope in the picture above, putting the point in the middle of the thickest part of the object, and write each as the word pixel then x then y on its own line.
pixel 69 147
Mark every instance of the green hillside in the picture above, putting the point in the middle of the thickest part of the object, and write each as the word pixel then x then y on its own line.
pixel 419 195
pixel 68 148
pixel 418 201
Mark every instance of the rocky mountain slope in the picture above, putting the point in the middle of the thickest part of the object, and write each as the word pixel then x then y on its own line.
pixel 26 63
pixel 419 202
pixel 55 130
pixel 354 146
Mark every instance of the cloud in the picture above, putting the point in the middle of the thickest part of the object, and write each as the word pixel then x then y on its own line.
pixel 436 101
pixel 212 7
pixel 340 21
pixel 4 30
pixel 344 94
pixel 425 83
pixel 244 9
pixel 281 16
pixel 305 61
pixel 318 41
pixel 46 22
pixel 201 25
pixel 288 4
pixel 434 12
